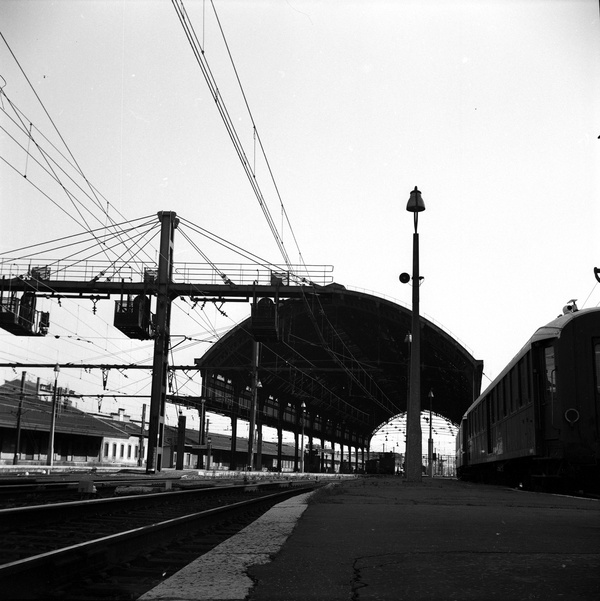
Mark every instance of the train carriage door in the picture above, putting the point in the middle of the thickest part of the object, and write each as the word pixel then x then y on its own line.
pixel 597 382
pixel 548 397
pixel 488 424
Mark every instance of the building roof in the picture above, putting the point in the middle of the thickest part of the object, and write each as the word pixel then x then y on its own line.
pixel 36 413
pixel 344 354
pixel 222 442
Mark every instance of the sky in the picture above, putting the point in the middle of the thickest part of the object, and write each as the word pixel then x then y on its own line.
pixel 490 107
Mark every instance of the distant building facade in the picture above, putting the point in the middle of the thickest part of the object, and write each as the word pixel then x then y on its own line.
pixel 86 439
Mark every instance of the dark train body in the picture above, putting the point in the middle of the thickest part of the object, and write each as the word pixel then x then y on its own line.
pixel 538 423
pixel 384 463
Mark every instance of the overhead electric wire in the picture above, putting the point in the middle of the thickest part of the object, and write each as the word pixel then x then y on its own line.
pixel 71 195
pixel 63 264
pixel 198 51
pixel 52 173
pixel 339 361
pixel 47 157
pixel 238 250
pixel 32 246
pixel 255 130
pixel 48 115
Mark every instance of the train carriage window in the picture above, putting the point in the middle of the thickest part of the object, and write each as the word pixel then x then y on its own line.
pixel 523 392
pixel 529 378
pixel 550 370
pixel 496 406
pixel 597 360
pixel 515 389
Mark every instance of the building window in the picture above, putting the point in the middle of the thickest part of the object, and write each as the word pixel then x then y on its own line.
pixel 122 451
pixel 114 453
pixel 106 449
pixel 128 451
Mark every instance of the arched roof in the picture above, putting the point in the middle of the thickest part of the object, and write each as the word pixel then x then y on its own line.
pixel 345 355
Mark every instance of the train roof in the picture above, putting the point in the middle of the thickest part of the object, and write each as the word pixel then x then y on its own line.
pixel 551 330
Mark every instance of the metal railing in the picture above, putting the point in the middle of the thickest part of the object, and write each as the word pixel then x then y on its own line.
pixel 194 273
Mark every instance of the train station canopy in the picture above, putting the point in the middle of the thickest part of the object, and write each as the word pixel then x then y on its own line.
pixel 345 356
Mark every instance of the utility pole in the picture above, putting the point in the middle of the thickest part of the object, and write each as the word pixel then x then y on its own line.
pixel 141 445
pixel 50 458
pixel 19 413
pixel 160 365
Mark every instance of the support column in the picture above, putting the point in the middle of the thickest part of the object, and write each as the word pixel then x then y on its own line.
pixel 255 352
pixel 180 442
pixel 296 437
pixel 322 463
pixel 234 412
pixel 259 435
pixel 311 426
pixel 342 439
pixel 169 223
pixel 281 406
pixel 233 461
pixel 332 456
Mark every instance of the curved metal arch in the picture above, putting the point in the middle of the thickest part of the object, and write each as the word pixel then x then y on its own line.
pixel 344 354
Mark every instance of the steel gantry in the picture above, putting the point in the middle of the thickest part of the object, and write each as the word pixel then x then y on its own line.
pixel 133 316
pixel 315 358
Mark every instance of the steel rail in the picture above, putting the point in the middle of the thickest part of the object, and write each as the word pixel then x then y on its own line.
pixel 36 513
pixel 61 564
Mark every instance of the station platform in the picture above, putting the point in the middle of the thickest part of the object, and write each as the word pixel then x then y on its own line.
pixel 379 538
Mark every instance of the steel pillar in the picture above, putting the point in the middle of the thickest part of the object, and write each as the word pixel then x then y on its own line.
pixel 252 428
pixel 180 442
pixel 169 223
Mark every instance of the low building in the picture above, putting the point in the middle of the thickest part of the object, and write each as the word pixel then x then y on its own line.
pixel 85 439
pixel 25 416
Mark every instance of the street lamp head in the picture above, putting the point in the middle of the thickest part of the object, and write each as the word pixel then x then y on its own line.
pixel 57 369
pixel 415 202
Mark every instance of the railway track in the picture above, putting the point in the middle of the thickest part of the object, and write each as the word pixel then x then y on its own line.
pixel 119 548
pixel 30 491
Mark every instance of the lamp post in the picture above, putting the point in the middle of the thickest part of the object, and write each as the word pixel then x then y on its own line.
pixel 50 458
pixel 413 428
pixel 430 441
pixel 208 451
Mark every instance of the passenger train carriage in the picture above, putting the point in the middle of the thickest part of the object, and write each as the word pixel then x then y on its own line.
pixel 538 423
